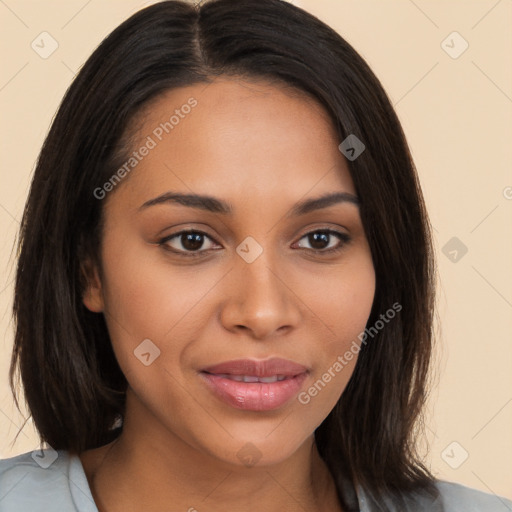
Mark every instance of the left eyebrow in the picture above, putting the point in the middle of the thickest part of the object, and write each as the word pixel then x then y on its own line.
pixel 309 205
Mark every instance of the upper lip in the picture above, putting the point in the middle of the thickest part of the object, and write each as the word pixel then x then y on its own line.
pixel 266 368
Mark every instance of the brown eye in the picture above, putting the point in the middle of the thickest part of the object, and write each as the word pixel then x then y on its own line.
pixel 324 240
pixel 192 241
pixel 188 242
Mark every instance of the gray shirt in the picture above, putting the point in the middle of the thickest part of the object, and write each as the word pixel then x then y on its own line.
pixel 49 480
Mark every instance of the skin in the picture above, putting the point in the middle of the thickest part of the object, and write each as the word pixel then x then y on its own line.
pixel 262 149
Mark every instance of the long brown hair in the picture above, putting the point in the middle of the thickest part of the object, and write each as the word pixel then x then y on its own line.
pixel 73 385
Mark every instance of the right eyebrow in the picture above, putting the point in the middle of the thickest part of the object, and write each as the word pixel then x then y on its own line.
pixel 202 202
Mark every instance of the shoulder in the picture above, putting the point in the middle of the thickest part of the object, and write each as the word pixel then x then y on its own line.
pixel 450 497
pixel 44 480
pixel 458 497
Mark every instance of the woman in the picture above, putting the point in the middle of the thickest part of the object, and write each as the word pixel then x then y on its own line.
pixel 224 294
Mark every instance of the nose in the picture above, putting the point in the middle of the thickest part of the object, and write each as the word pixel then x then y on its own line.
pixel 259 301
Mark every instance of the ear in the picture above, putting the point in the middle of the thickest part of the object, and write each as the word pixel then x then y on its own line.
pixel 92 295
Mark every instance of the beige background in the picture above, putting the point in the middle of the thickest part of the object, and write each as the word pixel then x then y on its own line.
pixel 457 114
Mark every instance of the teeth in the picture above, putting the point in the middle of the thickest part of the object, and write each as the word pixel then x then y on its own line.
pixel 273 378
pixel 253 378
pixel 250 378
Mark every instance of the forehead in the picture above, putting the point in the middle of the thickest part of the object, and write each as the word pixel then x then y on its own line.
pixel 232 136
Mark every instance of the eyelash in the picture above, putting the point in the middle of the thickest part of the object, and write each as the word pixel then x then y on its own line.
pixel 343 238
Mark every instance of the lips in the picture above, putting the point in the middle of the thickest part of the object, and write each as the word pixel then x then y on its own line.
pixel 255 385
pixel 253 378
pixel 267 368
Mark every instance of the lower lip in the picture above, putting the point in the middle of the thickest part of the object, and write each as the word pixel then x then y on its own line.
pixel 254 396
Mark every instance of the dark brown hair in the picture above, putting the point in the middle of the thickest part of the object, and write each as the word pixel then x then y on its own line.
pixel 73 385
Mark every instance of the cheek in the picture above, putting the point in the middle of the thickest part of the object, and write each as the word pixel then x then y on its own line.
pixel 145 295
pixel 342 304
pixel 152 311
pixel 343 298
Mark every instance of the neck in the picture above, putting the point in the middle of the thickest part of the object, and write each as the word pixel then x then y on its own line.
pixel 148 467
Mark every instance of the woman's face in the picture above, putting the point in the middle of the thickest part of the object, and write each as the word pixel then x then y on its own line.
pixel 266 272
